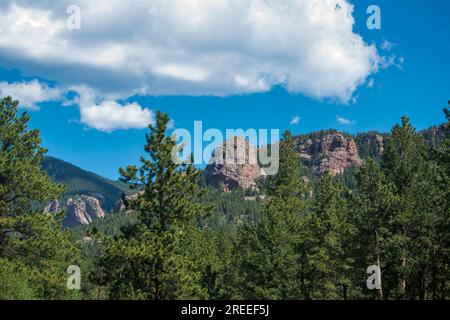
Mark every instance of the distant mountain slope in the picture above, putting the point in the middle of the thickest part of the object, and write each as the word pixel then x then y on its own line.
pixel 320 152
pixel 82 182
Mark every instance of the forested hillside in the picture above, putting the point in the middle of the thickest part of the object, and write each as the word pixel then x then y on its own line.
pixel 295 238
pixel 81 182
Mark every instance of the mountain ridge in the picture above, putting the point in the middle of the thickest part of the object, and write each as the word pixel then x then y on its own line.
pixel 320 152
pixel 79 181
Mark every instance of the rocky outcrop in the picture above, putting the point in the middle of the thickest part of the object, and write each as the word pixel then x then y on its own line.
pixel 78 209
pixel 333 153
pixel 234 165
pixel 370 144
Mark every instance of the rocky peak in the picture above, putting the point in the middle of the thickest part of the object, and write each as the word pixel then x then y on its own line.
pixel 80 209
pixel 234 164
pixel 332 153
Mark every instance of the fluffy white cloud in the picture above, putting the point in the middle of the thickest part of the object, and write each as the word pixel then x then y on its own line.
pixel 109 115
pixel 98 113
pixel 195 47
pixel 30 93
pixel 344 121
pixel 295 120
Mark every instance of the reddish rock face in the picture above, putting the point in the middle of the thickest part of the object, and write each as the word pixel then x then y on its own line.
pixel 234 165
pixel 79 210
pixel 331 154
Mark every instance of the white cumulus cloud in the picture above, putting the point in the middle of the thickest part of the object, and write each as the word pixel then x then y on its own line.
pixel 29 93
pixel 109 115
pixel 190 47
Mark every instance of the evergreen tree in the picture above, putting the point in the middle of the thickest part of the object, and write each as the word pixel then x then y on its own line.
pixel 372 214
pixel 144 263
pixel 439 282
pixel 34 250
pixel 22 182
pixel 406 166
pixel 41 251
pixel 326 243
pixel 268 261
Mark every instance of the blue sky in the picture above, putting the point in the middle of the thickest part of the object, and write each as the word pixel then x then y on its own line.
pixel 415 82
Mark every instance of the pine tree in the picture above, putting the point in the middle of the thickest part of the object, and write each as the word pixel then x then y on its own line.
pixel 373 206
pixel 22 182
pixel 145 262
pixel 327 234
pixel 267 257
pixel 41 251
pixel 33 246
pixel 439 282
pixel 405 165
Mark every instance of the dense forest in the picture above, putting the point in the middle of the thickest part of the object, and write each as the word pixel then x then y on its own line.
pixel 178 239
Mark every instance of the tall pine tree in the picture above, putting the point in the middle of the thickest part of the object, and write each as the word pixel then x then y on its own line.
pixel 22 182
pixel 373 206
pixel 145 262
pixel 405 165
pixel 327 234
pixel 267 257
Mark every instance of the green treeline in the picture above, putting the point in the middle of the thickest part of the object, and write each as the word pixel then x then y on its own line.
pixel 78 181
pixel 297 239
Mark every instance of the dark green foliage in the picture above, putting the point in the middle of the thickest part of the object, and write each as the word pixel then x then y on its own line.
pixel 326 233
pixel 34 250
pixel 14 282
pixel 42 252
pixel 348 178
pixel 367 148
pixel 110 225
pixel 146 262
pixel 265 266
pixel 78 181
pixel 439 266
pixel 21 180
pixel 373 216
pixel 406 166
pixel 294 239
pixel 231 209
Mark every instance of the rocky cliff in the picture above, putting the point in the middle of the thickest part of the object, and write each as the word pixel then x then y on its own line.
pixel 234 165
pixel 78 209
pixel 332 153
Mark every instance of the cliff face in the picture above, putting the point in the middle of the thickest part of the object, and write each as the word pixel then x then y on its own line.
pixel 234 165
pixel 79 210
pixel 333 153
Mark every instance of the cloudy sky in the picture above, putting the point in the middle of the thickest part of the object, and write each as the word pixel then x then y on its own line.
pixel 298 64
